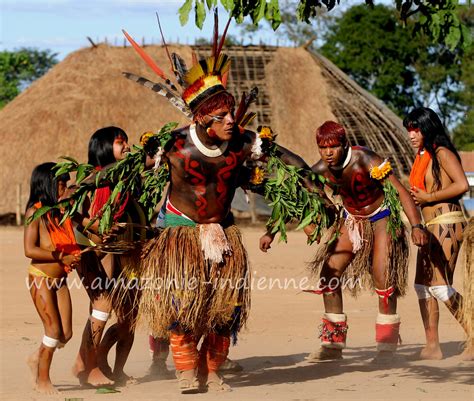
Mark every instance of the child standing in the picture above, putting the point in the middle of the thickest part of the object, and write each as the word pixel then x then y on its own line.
pixel 106 146
pixel 53 252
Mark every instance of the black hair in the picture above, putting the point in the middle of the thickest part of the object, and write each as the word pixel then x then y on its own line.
pixel 44 187
pixel 434 135
pixel 100 152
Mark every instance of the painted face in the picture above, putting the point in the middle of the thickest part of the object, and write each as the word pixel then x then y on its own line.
pixel 332 153
pixel 416 137
pixel 222 123
pixel 120 148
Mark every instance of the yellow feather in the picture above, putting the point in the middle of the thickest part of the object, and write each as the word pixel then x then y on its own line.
pixel 210 64
pixel 194 74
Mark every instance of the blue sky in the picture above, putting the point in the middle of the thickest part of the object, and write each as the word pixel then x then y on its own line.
pixel 62 25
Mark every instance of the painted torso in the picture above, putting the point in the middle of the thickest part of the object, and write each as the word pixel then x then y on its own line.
pixel 430 211
pixel 361 195
pixel 203 187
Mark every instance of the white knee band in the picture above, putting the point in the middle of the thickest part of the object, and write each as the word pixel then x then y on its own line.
pixel 442 292
pixel 422 291
pixel 99 315
pixel 50 342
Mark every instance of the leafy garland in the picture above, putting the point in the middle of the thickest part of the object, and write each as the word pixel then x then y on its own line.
pixel 283 188
pixel 391 198
pixel 126 176
pixel 281 184
pixel 392 202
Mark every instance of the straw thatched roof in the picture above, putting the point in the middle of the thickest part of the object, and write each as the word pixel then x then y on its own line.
pixel 58 113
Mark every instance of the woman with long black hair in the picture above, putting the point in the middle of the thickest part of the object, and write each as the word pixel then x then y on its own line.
pixel 437 183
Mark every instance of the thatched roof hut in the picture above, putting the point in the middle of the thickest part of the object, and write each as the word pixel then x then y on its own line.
pixel 58 113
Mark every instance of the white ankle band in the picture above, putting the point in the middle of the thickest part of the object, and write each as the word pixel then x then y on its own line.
pixel 422 291
pixel 442 292
pixel 99 315
pixel 50 342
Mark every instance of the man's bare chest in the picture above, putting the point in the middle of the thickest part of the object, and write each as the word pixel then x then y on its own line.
pixel 354 185
pixel 194 167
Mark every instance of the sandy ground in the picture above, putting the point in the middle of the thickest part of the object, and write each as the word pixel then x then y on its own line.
pixel 281 331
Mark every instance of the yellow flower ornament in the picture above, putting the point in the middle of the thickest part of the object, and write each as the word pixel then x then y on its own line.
pixel 381 171
pixel 265 133
pixel 145 136
pixel 258 174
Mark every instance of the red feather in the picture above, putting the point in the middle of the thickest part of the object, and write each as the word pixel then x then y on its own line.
pixel 216 35
pixel 145 56
pixel 221 43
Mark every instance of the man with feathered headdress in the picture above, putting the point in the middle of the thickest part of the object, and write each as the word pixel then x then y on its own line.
pixel 197 267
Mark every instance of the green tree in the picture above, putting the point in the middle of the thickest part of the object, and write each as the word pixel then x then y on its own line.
pixel 19 68
pixel 463 134
pixel 379 53
pixel 437 18
pixel 302 33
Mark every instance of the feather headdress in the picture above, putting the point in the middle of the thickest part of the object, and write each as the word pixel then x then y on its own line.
pixel 205 79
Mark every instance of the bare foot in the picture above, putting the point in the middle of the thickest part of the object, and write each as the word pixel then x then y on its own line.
pixel 106 370
pixel 216 383
pixel 96 378
pixel 78 366
pixel 468 354
pixel 32 362
pixel 123 379
pixel 46 387
pixel 324 354
pixel 431 353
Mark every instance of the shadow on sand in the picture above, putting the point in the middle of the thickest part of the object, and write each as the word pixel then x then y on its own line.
pixel 293 368
pixel 267 370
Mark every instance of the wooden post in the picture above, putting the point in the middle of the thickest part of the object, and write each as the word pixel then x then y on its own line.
pixel 18 205
pixel 91 42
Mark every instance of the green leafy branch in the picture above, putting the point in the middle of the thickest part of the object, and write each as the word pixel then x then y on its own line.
pixel 392 202
pixel 239 9
pixel 291 200
pixel 436 18
pixel 153 185
pixel 125 177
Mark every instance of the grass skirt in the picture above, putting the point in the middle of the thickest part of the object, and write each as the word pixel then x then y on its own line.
pixel 358 274
pixel 467 259
pixel 179 287
pixel 125 294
